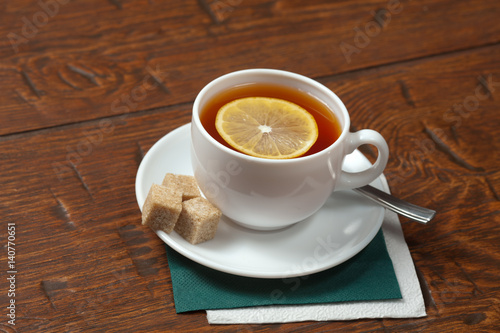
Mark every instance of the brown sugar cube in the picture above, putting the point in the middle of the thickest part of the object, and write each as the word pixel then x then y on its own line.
pixel 162 208
pixel 187 184
pixel 198 220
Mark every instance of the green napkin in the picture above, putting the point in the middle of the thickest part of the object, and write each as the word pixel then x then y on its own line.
pixel 367 276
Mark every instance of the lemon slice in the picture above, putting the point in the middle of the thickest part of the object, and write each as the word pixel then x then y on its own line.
pixel 267 127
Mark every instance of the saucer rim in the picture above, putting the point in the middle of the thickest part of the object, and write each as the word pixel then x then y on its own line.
pixel 254 273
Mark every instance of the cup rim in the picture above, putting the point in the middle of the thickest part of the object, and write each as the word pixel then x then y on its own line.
pixel 318 86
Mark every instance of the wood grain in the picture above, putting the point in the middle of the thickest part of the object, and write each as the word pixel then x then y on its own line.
pixel 92 87
pixel 69 68
pixel 86 264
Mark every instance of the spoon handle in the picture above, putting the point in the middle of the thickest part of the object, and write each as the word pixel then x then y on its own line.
pixel 411 211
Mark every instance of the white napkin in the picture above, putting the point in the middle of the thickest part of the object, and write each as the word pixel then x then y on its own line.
pixel 410 306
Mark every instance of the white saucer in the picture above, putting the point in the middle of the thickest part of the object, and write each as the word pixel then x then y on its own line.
pixel 341 229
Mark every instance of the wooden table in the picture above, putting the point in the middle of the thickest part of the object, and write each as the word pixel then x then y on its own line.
pixel 87 87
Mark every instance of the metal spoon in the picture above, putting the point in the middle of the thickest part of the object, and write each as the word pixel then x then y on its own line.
pixel 411 211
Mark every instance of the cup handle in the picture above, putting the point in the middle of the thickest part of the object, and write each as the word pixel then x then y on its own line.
pixel 349 180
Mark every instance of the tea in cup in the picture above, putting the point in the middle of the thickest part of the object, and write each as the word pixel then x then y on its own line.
pixel 267 193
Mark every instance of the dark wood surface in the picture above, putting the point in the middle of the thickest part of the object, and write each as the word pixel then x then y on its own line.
pixel 87 87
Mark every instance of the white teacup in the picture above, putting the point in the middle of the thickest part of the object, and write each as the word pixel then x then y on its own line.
pixel 266 194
